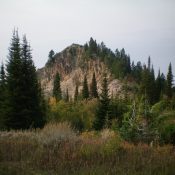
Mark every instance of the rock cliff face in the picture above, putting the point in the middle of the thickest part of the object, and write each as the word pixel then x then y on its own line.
pixel 72 66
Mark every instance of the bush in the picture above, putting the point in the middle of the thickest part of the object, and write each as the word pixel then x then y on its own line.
pixel 80 114
pixel 159 107
pixel 168 133
pixel 165 124
pixel 55 132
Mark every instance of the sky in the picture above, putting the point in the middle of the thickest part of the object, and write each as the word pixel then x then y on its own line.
pixel 143 27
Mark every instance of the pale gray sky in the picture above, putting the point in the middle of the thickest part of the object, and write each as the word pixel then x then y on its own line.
pixel 142 27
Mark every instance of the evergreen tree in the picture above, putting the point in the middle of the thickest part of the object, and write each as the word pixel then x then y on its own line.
pixel 76 93
pixel 94 92
pixel 32 108
pixel 14 75
pixel 128 65
pixel 2 76
pixel 149 63
pixel 67 95
pixel 57 88
pixel 92 46
pixel 50 57
pixel 163 83
pixel 169 90
pixel 160 85
pixel 152 87
pixel 51 54
pixel 85 91
pixel 147 86
pixel 24 110
pixel 3 96
pixel 137 71
pixel 103 107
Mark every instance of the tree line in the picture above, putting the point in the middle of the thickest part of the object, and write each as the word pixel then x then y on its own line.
pixel 85 94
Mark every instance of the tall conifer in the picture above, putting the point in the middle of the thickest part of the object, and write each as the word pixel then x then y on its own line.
pixel 57 87
pixel 24 110
pixel 76 93
pixel 85 91
pixel 94 92
pixel 3 97
pixel 169 89
pixel 103 106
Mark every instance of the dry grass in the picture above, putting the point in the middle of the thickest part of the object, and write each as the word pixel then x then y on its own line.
pixel 57 149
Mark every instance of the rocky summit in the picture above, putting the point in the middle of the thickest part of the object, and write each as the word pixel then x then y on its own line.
pixel 73 64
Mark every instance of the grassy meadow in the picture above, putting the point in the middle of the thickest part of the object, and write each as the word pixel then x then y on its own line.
pixel 58 150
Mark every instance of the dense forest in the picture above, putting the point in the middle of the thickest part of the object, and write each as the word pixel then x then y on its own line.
pixel 145 114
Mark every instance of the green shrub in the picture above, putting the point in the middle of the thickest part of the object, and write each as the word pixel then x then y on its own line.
pixel 159 107
pixel 80 114
pixel 168 133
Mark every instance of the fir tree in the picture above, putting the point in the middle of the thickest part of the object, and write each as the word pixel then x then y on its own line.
pixel 76 93
pixel 51 54
pixel 152 87
pixel 92 46
pixel 94 92
pixel 2 76
pixel 50 57
pixel 14 75
pixel 3 96
pixel 163 83
pixel 85 91
pixel 57 87
pixel 32 109
pixel 149 63
pixel 23 94
pixel 103 107
pixel 160 81
pixel 169 90
pixel 67 95
pixel 148 84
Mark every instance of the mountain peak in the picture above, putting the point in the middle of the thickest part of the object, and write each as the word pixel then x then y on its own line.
pixel 76 61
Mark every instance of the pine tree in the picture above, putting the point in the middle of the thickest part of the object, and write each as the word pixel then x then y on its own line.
pixel 92 46
pixel 94 92
pixel 149 63
pixel 57 88
pixel 163 83
pixel 103 107
pixel 159 87
pixel 85 91
pixel 2 76
pixel 67 95
pixel 14 75
pixel 24 110
pixel 169 90
pixel 51 54
pixel 50 57
pixel 152 87
pixel 76 93
pixel 32 108
pixel 3 96
pixel 148 83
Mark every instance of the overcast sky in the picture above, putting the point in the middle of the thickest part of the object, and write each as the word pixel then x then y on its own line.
pixel 142 27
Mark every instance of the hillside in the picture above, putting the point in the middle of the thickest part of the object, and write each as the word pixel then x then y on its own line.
pixel 73 65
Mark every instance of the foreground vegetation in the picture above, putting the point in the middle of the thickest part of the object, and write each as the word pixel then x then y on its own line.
pixel 57 149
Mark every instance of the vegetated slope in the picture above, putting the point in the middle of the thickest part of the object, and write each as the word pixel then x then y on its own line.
pixel 73 63
pixel 57 149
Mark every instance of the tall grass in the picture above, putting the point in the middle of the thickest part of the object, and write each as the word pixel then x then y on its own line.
pixel 57 149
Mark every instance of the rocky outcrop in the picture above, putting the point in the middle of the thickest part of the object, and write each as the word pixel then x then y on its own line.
pixel 73 65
